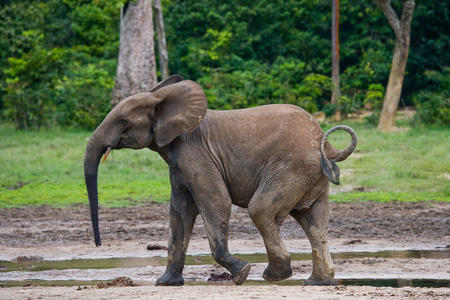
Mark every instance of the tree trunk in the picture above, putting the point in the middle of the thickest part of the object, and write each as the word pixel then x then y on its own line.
pixel 162 46
pixel 394 89
pixel 402 29
pixel 136 68
pixel 335 47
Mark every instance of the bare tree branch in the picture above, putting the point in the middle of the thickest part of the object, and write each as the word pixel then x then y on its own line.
pixel 406 18
pixel 391 16
pixel 400 27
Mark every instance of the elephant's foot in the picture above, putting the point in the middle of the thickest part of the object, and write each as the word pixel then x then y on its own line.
pixel 323 270
pixel 170 280
pixel 315 281
pixel 277 274
pixel 240 276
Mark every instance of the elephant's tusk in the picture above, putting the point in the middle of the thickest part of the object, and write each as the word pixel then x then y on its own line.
pixel 106 154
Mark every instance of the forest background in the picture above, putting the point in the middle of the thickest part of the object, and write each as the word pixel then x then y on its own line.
pixel 58 61
pixel 58 58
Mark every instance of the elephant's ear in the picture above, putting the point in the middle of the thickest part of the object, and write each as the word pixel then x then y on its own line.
pixel 170 80
pixel 181 110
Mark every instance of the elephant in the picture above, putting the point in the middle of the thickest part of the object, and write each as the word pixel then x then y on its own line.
pixel 274 160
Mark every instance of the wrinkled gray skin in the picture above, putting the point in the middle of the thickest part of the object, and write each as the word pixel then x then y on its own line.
pixel 266 158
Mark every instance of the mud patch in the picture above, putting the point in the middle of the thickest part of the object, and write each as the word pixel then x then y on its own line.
pixel 60 234
pixel 224 277
pixel 156 247
pixel 24 258
pixel 117 282
pixel 354 242
pixel 51 226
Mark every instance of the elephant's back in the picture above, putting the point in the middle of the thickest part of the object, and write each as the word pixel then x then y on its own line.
pixel 262 144
pixel 282 122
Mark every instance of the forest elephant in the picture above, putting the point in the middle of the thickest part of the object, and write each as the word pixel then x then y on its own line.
pixel 274 160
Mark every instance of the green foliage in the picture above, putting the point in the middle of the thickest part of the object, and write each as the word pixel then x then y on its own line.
pixel 31 78
pixel 374 96
pixel 15 19
pixel 210 52
pixel 371 71
pixel 44 87
pixel 95 25
pixel 255 84
pixel 238 89
pixel 262 32
pixel 83 94
pixel 315 87
pixel 430 41
pixel 374 102
pixel 256 30
pixel 244 53
pixel 330 109
pixel 434 107
pixel 346 106
pixel 60 59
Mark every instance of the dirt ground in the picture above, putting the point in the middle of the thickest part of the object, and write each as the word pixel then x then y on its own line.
pixel 51 233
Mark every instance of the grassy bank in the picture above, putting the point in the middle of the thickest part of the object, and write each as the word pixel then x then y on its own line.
pixel 47 168
pixel 409 165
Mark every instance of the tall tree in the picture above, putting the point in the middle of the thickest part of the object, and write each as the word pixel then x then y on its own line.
pixel 136 69
pixel 162 46
pixel 402 30
pixel 335 47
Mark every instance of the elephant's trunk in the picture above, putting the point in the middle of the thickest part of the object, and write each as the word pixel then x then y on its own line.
pixel 92 156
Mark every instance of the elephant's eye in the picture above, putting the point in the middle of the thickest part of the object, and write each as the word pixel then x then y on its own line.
pixel 122 122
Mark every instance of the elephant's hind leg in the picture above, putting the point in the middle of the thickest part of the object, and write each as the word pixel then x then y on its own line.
pixel 315 223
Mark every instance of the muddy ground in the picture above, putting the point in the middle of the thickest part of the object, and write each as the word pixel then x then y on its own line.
pixel 51 233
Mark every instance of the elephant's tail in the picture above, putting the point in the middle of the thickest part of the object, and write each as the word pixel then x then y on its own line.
pixel 330 155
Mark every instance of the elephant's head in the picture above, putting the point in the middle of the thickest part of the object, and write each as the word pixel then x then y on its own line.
pixel 173 107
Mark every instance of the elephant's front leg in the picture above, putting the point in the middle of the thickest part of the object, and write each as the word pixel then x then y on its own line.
pixel 183 213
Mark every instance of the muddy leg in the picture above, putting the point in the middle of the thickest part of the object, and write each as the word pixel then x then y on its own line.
pixel 215 209
pixel 315 223
pixel 217 231
pixel 183 212
pixel 266 211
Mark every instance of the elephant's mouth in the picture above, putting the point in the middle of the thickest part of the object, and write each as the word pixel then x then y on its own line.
pixel 106 153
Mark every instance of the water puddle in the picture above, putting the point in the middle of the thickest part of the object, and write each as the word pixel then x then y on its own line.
pixel 430 283
pixel 131 262
pixel 108 263
pixel 437 283
pixel 137 262
pixel 34 282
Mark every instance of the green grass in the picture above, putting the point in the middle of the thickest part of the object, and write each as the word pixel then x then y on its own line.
pixel 50 164
pixel 411 165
